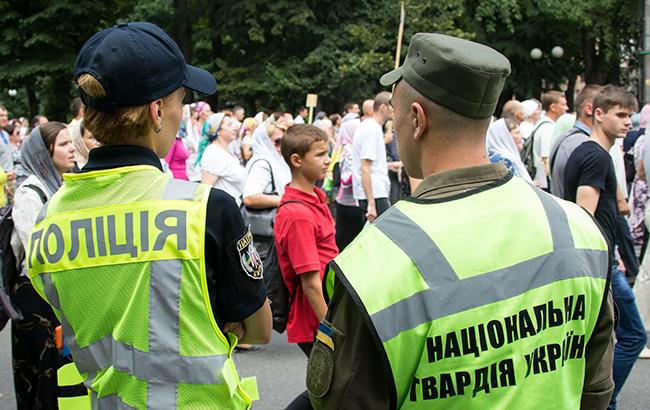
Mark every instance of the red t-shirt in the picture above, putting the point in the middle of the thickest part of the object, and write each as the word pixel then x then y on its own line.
pixel 305 242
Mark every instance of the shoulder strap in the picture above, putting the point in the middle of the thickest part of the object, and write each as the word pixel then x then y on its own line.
pixel 532 134
pixel 270 170
pixel 553 154
pixel 39 191
pixel 292 201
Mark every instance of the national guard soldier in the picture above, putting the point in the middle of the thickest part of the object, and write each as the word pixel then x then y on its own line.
pixel 480 291
pixel 154 279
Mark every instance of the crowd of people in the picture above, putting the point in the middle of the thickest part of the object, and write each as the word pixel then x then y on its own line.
pixel 306 191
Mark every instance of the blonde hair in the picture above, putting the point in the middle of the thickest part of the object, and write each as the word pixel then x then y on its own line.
pixel 113 128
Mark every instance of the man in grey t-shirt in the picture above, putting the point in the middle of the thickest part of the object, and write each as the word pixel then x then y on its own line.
pixel 565 144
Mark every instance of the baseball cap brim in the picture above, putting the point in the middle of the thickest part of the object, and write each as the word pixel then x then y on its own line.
pixel 391 77
pixel 200 80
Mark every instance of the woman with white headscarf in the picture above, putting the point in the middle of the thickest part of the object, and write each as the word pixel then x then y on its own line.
pixel 268 174
pixel 502 147
pixel 219 167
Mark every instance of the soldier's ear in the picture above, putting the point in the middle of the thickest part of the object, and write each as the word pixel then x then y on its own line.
pixel 419 120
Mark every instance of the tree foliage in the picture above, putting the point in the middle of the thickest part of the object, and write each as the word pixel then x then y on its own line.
pixel 270 54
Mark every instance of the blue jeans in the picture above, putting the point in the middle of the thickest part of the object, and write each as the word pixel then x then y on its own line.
pixel 631 336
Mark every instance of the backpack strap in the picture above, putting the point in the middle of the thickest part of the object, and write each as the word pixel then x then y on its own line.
pixel 39 191
pixel 553 154
pixel 291 201
pixel 274 192
pixel 532 134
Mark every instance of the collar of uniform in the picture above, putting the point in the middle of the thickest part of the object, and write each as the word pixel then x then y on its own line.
pixel 456 181
pixel 116 156
pixel 292 194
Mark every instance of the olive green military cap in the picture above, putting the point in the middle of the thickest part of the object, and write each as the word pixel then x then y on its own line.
pixel 461 75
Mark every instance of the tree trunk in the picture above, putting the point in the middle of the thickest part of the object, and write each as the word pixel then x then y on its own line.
pixel 570 90
pixel 182 28
pixel 594 61
pixel 32 102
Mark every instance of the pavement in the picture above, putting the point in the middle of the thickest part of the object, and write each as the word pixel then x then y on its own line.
pixel 280 368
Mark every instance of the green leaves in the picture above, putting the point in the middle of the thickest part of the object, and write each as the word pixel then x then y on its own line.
pixel 270 54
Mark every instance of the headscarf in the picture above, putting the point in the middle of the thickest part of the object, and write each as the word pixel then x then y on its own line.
pixel 263 149
pixel 563 124
pixel 211 127
pixel 259 118
pixel 500 141
pixel 645 116
pixel 199 107
pixel 37 161
pixel 247 124
pixel 347 130
pixel 80 149
pixel 530 106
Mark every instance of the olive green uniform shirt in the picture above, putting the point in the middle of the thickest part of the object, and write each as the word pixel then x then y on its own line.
pixel 360 379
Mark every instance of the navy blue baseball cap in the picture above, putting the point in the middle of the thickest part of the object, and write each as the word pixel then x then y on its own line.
pixel 137 63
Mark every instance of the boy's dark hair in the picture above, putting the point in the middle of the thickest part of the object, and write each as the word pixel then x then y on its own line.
pixel 298 140
pixel 611 96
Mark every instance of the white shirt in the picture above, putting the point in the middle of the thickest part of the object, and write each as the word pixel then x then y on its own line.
pixel 298 120
pixel 368 143
pixel 232 176
pixel 259 179
pixel 542 149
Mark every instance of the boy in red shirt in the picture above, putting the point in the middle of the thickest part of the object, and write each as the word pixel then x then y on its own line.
pixel 304 232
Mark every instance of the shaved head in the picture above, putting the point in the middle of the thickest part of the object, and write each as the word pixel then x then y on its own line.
pixel 513 109
pixel 366 107
pixel 424 127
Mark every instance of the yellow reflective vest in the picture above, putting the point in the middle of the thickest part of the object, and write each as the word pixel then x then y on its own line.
pixel 484 300
pixel 119 254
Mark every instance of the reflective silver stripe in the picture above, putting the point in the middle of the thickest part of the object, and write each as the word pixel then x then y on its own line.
pixel 41 214
pixel 164 333
pixel 163 362
pixel 164 303
pixel 432 304
pixel 168 368
pixel 161 396
pixel 68 334
pixel 162 366
pixel 422 250
pixel 111 402
pixel 557 220
pixel 177 189
pixel 53 298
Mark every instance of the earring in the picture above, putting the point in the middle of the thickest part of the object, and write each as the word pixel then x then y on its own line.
pixel 157 130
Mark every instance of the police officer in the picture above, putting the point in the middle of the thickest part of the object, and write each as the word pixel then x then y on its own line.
pixel 155 280
pixel 480 291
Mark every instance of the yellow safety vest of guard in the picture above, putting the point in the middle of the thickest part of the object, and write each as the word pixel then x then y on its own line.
pixel 484 300
pixel 119 254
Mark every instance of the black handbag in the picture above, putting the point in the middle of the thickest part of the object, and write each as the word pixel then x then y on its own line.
pixel 260 220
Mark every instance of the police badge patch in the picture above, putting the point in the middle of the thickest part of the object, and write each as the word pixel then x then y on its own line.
pixel 248 257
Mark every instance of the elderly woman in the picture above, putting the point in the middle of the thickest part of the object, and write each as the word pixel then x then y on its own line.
pixel 504 143
pixel 219 167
